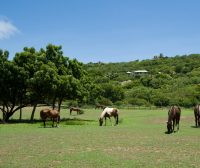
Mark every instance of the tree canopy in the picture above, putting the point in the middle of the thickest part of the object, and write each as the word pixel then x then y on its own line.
pixel 34 77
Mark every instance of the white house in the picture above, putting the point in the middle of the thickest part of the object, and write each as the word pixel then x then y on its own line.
pixel 140 72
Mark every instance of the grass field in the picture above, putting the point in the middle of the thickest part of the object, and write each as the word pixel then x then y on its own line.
pixel 138 141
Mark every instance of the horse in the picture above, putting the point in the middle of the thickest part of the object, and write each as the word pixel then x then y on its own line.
pixel 100 106
pixel 50 113
pixel 109 112
pixel 174 114
pixel 78 110
pixel 197 115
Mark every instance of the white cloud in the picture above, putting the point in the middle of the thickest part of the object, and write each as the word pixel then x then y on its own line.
pixel 7 29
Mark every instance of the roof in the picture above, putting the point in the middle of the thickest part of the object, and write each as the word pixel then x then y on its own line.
pixel 141 71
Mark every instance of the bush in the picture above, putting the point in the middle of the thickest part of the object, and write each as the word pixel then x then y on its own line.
pixel 104 101
pixel 137 102
pixel 81 112
pixel 73 103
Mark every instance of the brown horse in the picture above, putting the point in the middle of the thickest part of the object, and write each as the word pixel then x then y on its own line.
pixel 52 114
pixel 78 110
pixel 100 106
pixel 109 112
pixel 174 114
pixel 197 115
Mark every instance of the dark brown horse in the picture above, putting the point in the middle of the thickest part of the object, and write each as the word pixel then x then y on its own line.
pixel 78 110
pixel 107 113
pixel 174 114
pixel 49 113
pixel 100 106
pixel 197 115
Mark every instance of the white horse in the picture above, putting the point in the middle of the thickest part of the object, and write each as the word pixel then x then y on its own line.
pixel 109 112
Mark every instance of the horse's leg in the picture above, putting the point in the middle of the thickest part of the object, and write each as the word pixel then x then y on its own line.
pixel 105 121
pixel 173 125
pixel 110 120
pixel 177 123
pixel 57 122
pixel 44 123
pixel 53 122
pixel 198 121
pixel 116 119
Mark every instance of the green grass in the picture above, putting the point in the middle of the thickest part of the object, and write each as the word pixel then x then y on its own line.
pixel 138 141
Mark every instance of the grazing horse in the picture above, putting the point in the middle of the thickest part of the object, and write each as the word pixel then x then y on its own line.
pixel 100 106
pixel 78 110
pixel 109 112
pixel 48 113
pixel 197 115
pixel 174 114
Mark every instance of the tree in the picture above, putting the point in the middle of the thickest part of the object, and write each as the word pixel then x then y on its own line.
pixel 29 60
pixel 3 62
pixel 112 92
pixel 13 81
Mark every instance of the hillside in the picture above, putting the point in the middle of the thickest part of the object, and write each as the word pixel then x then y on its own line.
pixel 170 80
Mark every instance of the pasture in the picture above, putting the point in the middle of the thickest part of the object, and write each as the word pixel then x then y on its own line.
pixel 138 141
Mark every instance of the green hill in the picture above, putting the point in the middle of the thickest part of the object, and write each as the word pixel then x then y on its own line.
pixel 169 80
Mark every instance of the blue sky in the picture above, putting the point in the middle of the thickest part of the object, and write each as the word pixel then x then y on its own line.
pixel 102 30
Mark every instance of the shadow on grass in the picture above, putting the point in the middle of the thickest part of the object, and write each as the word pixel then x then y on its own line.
pixel 65 121
pixel 77 121
pixel 194 126
pixel 166 132
pixel 17 121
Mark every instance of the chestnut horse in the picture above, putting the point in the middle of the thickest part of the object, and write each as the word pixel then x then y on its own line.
pixel 109 112
pixel 78 110
pixel 197 115
pixel 100 106
pixel 48 113
pixel 174 114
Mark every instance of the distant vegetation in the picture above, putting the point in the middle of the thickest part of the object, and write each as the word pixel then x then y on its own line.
pixel 47 76
pixel 170 80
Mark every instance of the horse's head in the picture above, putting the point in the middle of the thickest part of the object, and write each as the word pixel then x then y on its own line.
pixel 100 121
pixel 169 126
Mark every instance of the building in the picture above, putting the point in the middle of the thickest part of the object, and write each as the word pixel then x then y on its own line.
pixel 140 72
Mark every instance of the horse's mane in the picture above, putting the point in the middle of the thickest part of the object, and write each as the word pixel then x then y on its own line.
pixel 103 112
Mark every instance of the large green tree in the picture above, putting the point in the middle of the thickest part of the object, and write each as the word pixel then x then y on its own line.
pixel 13 88
pixel 39 76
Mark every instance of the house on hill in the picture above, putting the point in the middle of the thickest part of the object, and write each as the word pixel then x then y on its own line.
pixel 138 73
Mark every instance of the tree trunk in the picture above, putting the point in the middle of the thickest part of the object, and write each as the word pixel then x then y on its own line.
pixel 33 112
pixel 59 104
pixel 54 102
pixel 8 115
pixel 20 111
pixel 20 114
pixel 9 111
pixel 3 113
